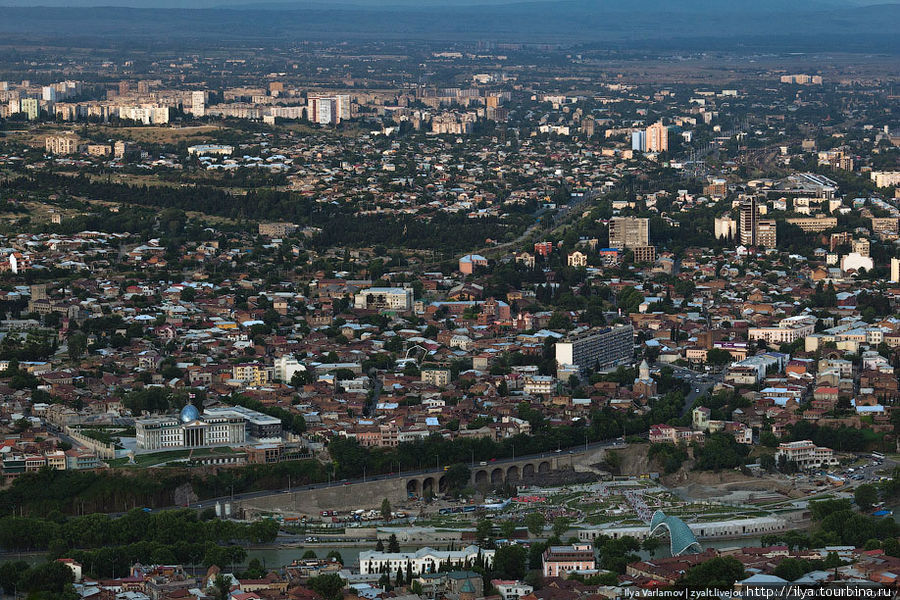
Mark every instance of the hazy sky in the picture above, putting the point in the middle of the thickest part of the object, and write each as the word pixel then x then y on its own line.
pixel 375 3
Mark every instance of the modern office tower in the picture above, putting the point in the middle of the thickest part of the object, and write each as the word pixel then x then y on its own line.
pixel 597 348
pixel 629 232
pixel 749 217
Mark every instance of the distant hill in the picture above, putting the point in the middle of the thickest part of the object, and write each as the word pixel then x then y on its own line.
pixel 774 24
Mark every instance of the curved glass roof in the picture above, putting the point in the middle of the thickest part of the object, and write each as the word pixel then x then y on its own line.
pixel 681 538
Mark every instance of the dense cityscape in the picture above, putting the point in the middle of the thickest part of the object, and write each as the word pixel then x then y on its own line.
pixel 358 318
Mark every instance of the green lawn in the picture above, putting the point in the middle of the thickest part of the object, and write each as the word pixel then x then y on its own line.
pixel 157 458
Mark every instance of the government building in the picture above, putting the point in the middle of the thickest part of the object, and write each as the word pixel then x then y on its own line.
pixel 216 427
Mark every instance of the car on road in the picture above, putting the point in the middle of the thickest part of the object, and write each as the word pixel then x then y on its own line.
pixel 697 390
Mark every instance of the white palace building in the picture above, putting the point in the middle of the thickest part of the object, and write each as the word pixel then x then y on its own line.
pixel 216 427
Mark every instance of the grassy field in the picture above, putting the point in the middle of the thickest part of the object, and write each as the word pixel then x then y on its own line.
pixel 161 458
pixel 148 135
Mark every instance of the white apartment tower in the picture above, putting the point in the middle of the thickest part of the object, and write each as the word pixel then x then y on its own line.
pixel 198 104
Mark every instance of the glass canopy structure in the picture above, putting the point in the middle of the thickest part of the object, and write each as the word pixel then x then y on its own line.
pixel 681 538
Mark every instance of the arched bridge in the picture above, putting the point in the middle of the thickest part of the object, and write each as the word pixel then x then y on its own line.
pixel 397 487
pixel 490 474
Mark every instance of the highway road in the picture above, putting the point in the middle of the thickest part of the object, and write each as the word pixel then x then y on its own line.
pixel 562 214
pixel 701 382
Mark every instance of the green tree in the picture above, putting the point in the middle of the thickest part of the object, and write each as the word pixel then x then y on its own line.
pixel 866 496
pixel 535 522
pixel 508 529
pixel 77 344
pixel 718 573
pixel 329 587
pixel 650 544
pixel 718 357
pixel 823 508
pixel 221 588
pixel 767 438
pixel 393 545
pixel 457 478
pixel 385 510
pixel 561 525
pixel 484 533
pixel 791 569
pixel 509 561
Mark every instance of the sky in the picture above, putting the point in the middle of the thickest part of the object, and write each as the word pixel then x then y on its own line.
pixel 374 3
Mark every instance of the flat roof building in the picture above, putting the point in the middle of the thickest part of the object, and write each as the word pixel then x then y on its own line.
pixel 597 348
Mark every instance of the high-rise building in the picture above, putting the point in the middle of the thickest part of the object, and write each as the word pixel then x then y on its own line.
pixel 725 227
pixel 895 270
pixel 48 93
pixel 749 217
pixel 766 235
pixel 328 110
pixel 639 141
pixel 657 137
pixel 124 88
pixel 587 126
pixel 597 348
pixel 321 110
pixel 198 103
pixel 146 114
pixel 756 231
pixel 629 232
pixel 31 107
pixel 343 107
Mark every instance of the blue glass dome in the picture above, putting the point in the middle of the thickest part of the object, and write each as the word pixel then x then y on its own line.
pixel 189 413
pixel 681 538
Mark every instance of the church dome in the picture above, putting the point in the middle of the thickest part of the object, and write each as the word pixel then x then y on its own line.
pixel 189 413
